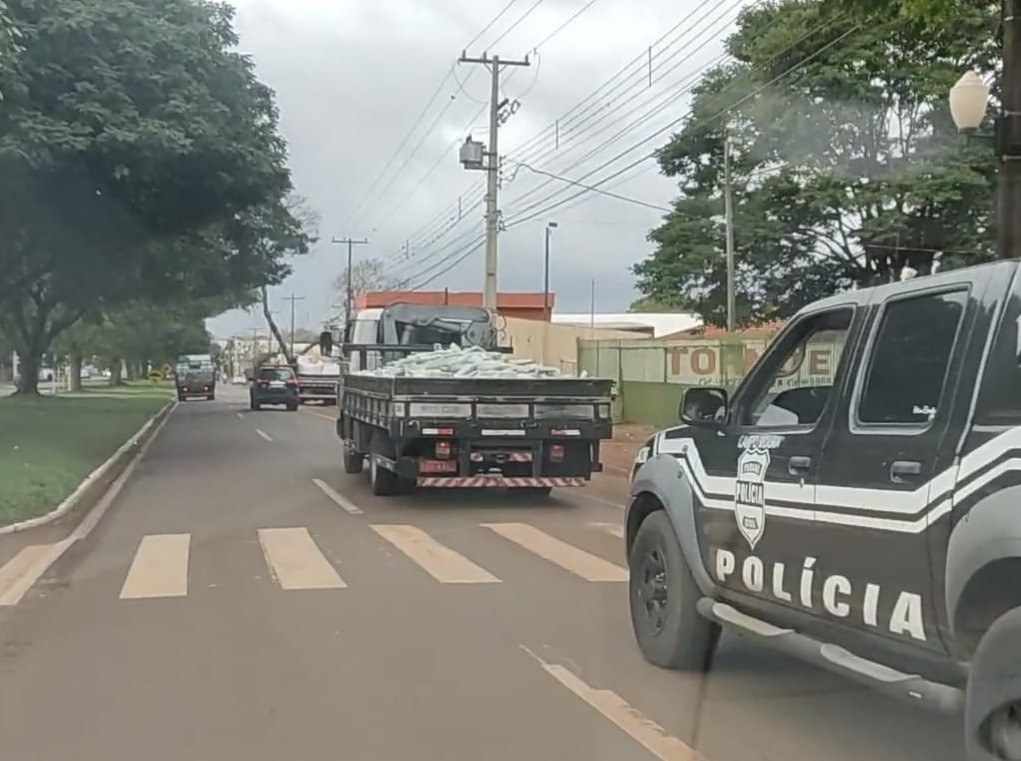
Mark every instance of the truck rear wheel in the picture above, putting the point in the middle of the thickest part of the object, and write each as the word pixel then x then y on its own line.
pixel 663 595
pixel 353 462
pixel 382 482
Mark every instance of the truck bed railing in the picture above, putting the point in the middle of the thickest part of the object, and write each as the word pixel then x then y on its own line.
pixel 401 350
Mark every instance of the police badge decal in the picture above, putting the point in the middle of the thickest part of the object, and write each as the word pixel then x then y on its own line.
pixel 749 494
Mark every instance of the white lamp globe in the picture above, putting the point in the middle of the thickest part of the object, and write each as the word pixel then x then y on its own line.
pixel 969 99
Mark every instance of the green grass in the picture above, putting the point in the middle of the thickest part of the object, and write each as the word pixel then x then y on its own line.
pixel 49 445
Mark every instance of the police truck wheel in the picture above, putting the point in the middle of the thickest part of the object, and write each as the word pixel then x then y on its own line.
pixel 382 482
pixel 670 632
pixel 992 709
pixel 353 462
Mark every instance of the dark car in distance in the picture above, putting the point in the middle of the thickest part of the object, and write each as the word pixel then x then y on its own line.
pixel 274 385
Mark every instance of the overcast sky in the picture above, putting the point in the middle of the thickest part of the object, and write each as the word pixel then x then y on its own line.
pixel 352 78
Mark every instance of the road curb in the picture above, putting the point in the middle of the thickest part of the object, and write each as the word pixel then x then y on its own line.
pixel 151 425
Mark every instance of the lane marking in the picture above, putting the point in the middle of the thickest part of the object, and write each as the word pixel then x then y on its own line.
pixel 296 561
pixel 240 416
pixel 319 414
pixel 338 498
pixel 440 562
pixel 610 528
pixel 263 434
pixel 160 567
pixel 590 567
pixel 628 719
pixel 22 571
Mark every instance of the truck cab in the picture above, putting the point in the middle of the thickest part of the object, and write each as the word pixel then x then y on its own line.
pixel 404 324
pixel 854 503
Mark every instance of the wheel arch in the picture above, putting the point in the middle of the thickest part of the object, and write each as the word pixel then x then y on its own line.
pixel 982 568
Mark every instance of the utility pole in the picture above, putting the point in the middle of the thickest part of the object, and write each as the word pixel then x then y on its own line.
pixel 1009 243
pixel 547 311
pixel 492 168
pixel 728 214
pixel 293 299
pixel 255 349
pixel 349 298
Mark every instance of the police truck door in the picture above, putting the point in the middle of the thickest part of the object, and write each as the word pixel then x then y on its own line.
pixel 779 420
pixel 880 459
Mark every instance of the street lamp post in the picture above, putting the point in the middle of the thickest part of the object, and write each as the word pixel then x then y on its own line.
pixel 547 310
pixel 969 100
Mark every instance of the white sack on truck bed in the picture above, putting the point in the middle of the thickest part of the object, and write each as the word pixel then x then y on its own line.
pixel 468 362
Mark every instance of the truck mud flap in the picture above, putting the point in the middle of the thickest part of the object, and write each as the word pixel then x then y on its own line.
pixel 833 658
pixel 482 482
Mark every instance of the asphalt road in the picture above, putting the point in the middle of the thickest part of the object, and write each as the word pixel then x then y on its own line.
pixel 229 608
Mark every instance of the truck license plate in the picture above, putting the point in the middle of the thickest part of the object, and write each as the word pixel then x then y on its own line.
pixel 437 466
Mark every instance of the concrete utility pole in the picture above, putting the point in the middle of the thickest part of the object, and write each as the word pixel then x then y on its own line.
pixel 495 63
pixel 1009 243
pixel 255 349
pixel 293 299
pixel 728 213
pixel 351 243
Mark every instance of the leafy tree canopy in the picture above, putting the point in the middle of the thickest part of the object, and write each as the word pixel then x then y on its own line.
pixel 139 158
pixel 845 164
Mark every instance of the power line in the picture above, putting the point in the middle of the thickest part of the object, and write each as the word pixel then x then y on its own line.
pixel 642 119
pixel 694 76
pixel 563 26
pixel 593 188
pixel 526 217
pixel 407 137
pixel 492 21
pixel 581 110
pixel 513 26
pixel 618 103
pixel 439 88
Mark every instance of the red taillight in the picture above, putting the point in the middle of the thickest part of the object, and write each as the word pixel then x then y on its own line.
pixel 262 381
pixel 292 383
pixel 442 450
pixel 556 453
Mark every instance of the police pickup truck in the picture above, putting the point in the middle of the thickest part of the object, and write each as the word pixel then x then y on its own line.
pixel 856 503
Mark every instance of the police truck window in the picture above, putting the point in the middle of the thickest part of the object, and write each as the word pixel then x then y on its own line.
pixel 910 358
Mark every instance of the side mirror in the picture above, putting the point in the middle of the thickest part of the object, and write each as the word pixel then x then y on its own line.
pixel 703 406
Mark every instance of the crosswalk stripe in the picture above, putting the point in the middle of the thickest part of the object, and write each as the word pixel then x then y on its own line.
pixel 160 567
pixel 296 561
pixel 590 567
pixel 439 561
pixel 610 528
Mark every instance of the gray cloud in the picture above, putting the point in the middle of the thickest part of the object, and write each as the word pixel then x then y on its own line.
pixel 350 79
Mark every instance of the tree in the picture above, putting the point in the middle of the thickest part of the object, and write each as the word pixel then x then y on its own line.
pixel 845 164
pixel 366 275
pixel 138 336
pixel 924 10
pixel 133 140
pixel 8 41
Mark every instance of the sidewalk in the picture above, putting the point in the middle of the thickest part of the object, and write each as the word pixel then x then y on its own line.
pixel 618 455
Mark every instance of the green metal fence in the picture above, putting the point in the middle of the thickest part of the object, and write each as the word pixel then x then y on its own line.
pixel 652 375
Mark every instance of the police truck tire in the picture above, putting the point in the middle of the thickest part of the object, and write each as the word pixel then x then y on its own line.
pixel 992 708
pixel 662 593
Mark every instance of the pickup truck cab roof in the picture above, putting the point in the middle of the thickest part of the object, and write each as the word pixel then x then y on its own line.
pixel 856 502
